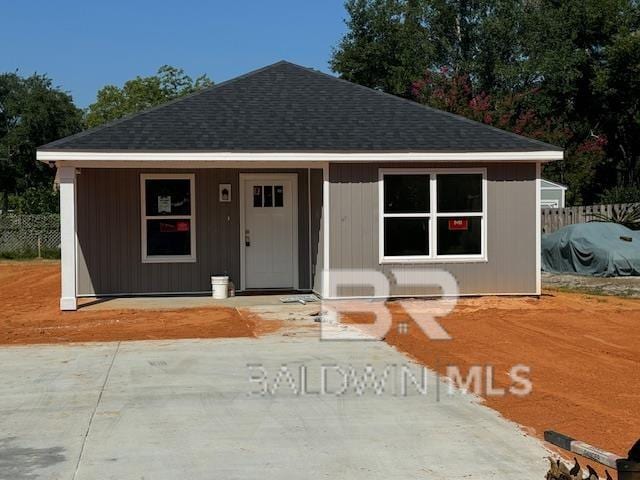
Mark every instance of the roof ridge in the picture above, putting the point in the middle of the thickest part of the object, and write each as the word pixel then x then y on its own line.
pixel 129 116
pixel 420 105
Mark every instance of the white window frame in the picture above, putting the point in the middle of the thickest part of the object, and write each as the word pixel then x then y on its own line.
pixel 549 203
pixel 433 215
pixel 144 217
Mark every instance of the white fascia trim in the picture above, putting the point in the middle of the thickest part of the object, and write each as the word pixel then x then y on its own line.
pixel 537 156
pixel 554 187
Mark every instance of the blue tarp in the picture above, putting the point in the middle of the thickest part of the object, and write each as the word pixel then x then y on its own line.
pixel 595 249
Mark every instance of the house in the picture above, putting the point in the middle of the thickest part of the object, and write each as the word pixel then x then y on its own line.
pixel 552 194
pixel 285 175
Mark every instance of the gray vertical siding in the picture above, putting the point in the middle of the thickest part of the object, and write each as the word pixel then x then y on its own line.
pixel 109 244
pixel 511 231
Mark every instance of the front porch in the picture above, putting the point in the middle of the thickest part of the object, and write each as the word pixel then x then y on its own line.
pixel 165 231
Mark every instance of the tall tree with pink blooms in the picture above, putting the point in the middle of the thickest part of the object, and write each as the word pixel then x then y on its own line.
pixel 566 72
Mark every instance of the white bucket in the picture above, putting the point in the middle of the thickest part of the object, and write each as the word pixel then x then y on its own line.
pixel 219 287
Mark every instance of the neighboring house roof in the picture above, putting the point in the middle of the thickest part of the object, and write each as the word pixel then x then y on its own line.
pixel 548 184
pixel 288 108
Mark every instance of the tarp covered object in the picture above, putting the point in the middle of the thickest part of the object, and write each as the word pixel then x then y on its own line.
pixel 592 249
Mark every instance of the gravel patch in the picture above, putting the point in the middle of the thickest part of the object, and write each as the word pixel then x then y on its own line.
pixel 618 286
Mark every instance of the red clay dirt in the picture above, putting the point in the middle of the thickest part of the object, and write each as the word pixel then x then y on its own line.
pixel 583 350
pixel 29 293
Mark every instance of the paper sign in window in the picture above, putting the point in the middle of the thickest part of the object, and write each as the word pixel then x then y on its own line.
pixel 458 224
pixel 166 227
pixel 164 204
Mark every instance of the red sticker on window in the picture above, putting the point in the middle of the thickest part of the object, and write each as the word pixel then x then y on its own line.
pixel 178 226
pixel 459 224
pixel 167 227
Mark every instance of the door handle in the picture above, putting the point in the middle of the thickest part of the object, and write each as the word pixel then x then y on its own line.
pixel 247 238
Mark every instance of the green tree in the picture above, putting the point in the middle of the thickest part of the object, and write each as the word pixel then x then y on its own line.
pixel 385 47
pixel 566 71
pixel 142 92
pixel 585 56
pixel 617 86
pixel 34 200
pixel 390 43
pixel 32 112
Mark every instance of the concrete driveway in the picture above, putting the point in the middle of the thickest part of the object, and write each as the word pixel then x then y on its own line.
pixel 187 409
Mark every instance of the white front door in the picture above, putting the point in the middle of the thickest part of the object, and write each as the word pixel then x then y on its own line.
pixel 269 238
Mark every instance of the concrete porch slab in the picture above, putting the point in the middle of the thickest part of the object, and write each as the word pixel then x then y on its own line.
pixel 180 302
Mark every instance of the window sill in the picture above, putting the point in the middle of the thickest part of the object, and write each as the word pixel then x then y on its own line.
pixel 169 259
pixel 442 259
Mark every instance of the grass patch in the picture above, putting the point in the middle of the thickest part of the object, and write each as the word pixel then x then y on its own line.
pixel 594 291
pixel 30 254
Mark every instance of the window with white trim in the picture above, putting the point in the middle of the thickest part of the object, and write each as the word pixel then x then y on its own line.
pixel 431 215
pixel 168 217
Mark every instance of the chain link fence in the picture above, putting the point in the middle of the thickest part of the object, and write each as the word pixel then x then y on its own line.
pixel 30 236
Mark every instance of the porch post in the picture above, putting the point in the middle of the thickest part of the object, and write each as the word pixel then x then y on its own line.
pixel 538 224
pixel 67 178
pixel 326 250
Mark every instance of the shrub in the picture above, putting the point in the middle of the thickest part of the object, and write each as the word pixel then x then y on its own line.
pixel 29 253
pixel 621 194
pixel 628 215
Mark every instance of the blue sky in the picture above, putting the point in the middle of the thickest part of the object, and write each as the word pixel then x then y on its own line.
pixel 84 45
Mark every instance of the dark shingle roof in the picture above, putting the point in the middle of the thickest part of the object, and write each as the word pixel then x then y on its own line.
pixel 286 107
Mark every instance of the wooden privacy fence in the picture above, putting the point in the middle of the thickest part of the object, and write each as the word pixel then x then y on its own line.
pixel 555 218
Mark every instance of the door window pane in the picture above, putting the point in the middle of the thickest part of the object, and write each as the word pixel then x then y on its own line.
pixel 278 196
pixel 406 236
pixel 406 193
pixel 459 235
pixel 459 193
pixel 257 196
pixel 167 197
pixel 268 196
pixel 168 237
